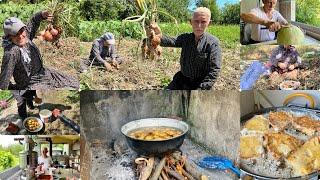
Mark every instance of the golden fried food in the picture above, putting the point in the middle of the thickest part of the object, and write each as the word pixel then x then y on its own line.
pixel 257 123
pixel 306 125
pixel 280 120
pixel 281 145
pixel 155 133
pixel 306 159
pixel 251 147
pixel 32 124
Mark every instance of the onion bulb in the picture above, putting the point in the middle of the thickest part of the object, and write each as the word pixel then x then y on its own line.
pixel 41 33
pixel 54 32
pixel 48 36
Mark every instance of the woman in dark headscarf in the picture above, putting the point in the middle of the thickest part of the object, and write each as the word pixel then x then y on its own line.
pixel 22 58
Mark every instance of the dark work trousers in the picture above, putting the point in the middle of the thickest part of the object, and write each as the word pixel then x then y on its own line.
pixel 181 82
pixel 24 98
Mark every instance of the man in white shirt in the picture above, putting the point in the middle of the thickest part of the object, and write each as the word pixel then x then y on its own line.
pixel 44 160
pixel 265 21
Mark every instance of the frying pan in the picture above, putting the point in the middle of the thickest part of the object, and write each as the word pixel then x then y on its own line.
pixel 145 147
pixel 293 108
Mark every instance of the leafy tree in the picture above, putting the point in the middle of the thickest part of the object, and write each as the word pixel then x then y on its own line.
pixel 14 149
pixel 105 10
pixel 178 9
pixel 6 160
pixel 230 14
pixel 308 12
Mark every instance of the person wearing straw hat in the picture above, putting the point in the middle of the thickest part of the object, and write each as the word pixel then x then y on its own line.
pixel 103 53
pixel 22 59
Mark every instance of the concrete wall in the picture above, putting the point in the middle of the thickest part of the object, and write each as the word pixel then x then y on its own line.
pixel 104 112
pixel 247 102
pixel 214 117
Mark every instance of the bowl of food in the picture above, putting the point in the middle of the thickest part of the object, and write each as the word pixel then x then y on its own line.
pixel 289 85
pixel 33 124
pixel 155 135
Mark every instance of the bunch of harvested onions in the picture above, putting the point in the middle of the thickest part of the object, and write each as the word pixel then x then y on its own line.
pixel 51 34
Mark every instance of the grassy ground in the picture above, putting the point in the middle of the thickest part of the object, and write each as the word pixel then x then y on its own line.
pixel 136 73
pixel 308 77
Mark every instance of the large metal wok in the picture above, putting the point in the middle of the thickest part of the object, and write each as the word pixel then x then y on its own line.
pixel 296 109
pixel 155 147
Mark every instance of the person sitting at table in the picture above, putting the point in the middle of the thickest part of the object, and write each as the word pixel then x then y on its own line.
pixel 265 21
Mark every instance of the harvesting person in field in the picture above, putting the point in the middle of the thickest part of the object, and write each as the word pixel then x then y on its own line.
pixel 265 21
pixel 103 53
pixel 285 62
pixel 200 56
pixel 22 59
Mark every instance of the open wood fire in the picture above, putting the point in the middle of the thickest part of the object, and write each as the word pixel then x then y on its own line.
pixel 170 166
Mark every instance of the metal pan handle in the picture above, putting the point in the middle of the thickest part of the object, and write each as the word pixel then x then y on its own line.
pixel 295 95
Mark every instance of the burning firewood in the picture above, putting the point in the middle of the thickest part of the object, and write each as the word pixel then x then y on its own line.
pixel 173 165
pixel 146 170
pixel 158 169
pixel 173 173
pixel 164 175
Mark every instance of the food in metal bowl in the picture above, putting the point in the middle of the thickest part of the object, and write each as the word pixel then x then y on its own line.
pixel 155 133
pixel 33 124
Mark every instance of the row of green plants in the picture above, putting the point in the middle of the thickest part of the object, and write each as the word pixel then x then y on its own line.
pixel 25 11
pixel 308 12
pixel 90 30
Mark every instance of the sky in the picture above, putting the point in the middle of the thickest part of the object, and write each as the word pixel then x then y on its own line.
pixel 8 140
pixel 192 3
pixel 222 2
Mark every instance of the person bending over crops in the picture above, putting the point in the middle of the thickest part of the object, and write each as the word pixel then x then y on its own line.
pixel 200 56
pixel 103 53
pixel 285 61
pixel 22 58
pixel 265 21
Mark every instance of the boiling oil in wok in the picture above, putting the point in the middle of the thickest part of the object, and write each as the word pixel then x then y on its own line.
pixel 157 133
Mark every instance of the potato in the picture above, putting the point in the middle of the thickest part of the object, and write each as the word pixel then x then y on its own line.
pixel 154 133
